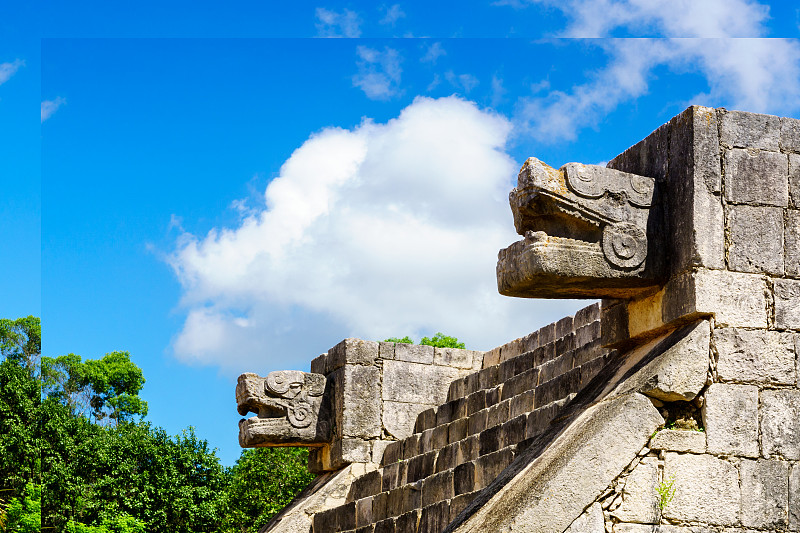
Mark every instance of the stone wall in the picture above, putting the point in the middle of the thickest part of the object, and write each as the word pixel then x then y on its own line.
pixel 458 448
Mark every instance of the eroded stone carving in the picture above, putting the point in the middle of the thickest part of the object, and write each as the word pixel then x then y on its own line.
pixel 289 406
pixel 586 233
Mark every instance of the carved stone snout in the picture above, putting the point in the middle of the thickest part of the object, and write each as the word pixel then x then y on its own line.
pixel 290 409
pixel 586 233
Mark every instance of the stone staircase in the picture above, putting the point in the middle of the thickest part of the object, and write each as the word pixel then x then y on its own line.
pixel 425 480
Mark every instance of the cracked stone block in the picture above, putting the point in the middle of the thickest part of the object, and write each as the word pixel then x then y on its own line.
pixel 736 299
pixel 640 499
pixel 794 498
pixel 756 239
pixel 730 416
pixel 790 134
pixel 794 179
pixel 679 440
pixel 787 304
pixel 414 353
pixel 765 493
pixel 417 383
pixel 780 423
pixel 399 417
pixel 756 177
pixel 755 356
pixel 591 521
pixel 791 245
pixel 706 489
pixel 360 401
pixel 742 129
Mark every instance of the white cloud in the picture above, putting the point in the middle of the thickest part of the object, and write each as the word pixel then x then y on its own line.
pixel 462 82
pixel 378 72
pixel 392 15
pixel 9 69
pixel 51 106
pixel 433 52
pixel 337 24
pixel 382 230
pixel 498 91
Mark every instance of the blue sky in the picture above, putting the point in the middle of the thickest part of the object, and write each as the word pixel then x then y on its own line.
pixel 220 191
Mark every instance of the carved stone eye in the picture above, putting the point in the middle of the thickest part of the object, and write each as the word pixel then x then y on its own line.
pixel 300 415
pixel 624 245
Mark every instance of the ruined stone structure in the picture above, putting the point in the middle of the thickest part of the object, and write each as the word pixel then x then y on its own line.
pixel 673 406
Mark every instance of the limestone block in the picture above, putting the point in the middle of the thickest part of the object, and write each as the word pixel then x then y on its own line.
pixel 639 498
pixel 780 423
pixel 378 448
pixel 749 130
pixel 787 304
pixel 790 134
pixel 417 383
pixel 794 498
pixel 791 238
pixel 736 299
pixel 756 177
pixel 730 416
pixel 386 350
pixel 642 528
pixel 756 239
pixel 361 416
pixel 794 179
pixel 706 489
pixel 679 373
pixel 765 493
pixel 591 521
pixel 755 356
pixel 353 351
pixel 399 417
pixel 678 440
pixel 415 353
pixel 455 357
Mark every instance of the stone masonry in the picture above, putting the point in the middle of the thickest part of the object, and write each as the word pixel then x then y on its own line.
pixel 673 406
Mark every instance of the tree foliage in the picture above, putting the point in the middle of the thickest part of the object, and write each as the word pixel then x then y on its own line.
pixel 77 456
pixel 440 340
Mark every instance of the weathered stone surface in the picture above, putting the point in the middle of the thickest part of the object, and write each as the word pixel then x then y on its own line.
pixel 736 299
pixel 680 372
pixel 544 495
pixel 457 358
pixel 417 383
pixel 645 528
pixel 755 356
pixel 780 423
pixel 794 498
pixel 399 417
pixel 749 130
pixel 794 179
pixel 787 304
pixel 415 353
pixel 792 243
pixel 289 407
pixel 677 440
pixel 756 239
pixel 640 498
pixel 765 493
pixel 591 521
pixel 730 416
pixel 756 177
pixel 706 489
pixel 361 401
pixel 790 134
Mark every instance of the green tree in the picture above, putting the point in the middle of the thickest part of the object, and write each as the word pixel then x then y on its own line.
pixel 262 482
pixel 24 514
pixel 404 340
pixel 440 340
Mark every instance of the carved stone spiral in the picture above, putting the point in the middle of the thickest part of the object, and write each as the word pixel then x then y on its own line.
pixel 300 414
pixel 624 244
pixel 279 382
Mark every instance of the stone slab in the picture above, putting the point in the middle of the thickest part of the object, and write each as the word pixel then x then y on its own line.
pixel 755 239
pixel 735 299
pixel 765 493
pixel 787 304
pixel 780 423
pixel 730 417
pixel 755 356
pixel 399 417
pixel 749 130
pixel 791 245
pixel 794 179
pixel 706 489
pixel 679 440
pixel 640 499
pixel 417 383
pixel 756 177
pixel 794 497
pixel 790 134
pixel 591 521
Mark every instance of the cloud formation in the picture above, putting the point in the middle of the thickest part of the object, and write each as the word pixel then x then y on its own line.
pixel 391 15
pixel 383 230
pixel 9 69
pixel 751 73
pixel 379 72
pixel 331 23
pixel 51 106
